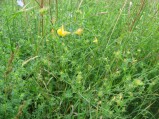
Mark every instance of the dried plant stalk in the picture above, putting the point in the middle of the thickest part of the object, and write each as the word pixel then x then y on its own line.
pixel 138 15
pixel 42 18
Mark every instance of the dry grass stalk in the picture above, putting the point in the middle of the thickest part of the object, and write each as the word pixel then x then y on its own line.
pixel 20 111
pixel 138 15
pixel 10 62
pixel 42 18
pixel 30 59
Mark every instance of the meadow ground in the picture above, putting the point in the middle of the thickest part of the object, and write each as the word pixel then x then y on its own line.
pixel 79 59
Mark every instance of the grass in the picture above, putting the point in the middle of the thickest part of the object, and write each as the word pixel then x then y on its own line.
pixel 45 76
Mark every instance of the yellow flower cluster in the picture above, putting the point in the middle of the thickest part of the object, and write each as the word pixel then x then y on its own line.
pixel 61 32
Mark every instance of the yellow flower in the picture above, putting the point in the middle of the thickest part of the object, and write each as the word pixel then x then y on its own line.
pixel 79 31
pixel 62 32
pixel 95 40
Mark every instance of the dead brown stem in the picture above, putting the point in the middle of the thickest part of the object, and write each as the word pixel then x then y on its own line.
pixel 42 18
pixel 20 111
pixel 138 15
pixel 10 62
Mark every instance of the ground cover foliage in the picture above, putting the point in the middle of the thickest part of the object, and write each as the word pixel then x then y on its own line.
pixel 109 71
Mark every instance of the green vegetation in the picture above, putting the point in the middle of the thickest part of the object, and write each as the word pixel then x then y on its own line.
pixel 111 71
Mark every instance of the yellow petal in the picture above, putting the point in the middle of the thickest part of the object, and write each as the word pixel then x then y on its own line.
pixel 62 32
pixel 66 33
pixel 62 28
pixel 59 32
pixel 79 31
pixel 95 40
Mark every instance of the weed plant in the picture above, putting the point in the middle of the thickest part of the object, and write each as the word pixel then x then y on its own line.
pixel 111 71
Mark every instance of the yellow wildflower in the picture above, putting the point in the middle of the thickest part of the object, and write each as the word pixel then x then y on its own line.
pixel 95 40
pixel 62 32
pixel 79 31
